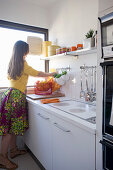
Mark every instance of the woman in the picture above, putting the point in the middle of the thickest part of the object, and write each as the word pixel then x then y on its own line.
pixel 13 110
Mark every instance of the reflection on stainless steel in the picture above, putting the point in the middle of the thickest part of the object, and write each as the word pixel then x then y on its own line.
pixel 68 68
pixel 82 92
pixel 89 91
pixel 90 96
pixel 76 110
pixel 92 120
pixel 82 110
pixel 61 104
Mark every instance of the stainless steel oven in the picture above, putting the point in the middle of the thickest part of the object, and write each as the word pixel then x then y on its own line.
pixel 107 154
pixel 107 35
pixel 107 122
pixel 107 99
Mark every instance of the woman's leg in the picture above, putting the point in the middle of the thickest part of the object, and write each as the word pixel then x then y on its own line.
pixel 13 142
pixel 14 151
pixel 4 161
pixel 5 142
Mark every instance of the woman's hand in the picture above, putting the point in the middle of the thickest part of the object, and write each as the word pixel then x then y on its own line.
pixel 53 73
pixel 43 74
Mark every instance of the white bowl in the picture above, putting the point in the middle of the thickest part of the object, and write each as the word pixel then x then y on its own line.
pixel 60 81
pixel 65 77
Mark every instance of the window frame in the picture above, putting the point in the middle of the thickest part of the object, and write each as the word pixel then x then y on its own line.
pixel 23 27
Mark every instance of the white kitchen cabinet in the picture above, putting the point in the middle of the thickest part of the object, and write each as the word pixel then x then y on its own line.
pixel 58 144
pixel 38 136
pixel 73 148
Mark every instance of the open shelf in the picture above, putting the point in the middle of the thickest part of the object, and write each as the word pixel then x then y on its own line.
pixel 82 52
pixel 53 56
pixel 72 53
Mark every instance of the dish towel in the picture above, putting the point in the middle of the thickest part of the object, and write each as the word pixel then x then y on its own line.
pixel 111 119
pixel 53 100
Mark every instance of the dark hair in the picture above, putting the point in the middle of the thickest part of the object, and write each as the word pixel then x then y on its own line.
pixel 16 63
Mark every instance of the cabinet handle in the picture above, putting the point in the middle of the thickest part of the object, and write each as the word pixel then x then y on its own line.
pixel 60 127
pixel 46 118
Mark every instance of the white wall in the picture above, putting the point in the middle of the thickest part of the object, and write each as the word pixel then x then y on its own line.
pixel 23 13
pixel 105 4
pixel 70 20
pixel 72 87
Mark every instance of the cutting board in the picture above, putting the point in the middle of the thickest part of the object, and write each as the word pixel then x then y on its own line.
pixel 38 97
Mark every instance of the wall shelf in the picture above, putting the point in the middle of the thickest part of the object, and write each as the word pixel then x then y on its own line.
pixel 72 53
pixel 82 52
pixel 53 56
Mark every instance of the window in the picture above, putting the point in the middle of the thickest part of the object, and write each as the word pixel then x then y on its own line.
pixel 9 34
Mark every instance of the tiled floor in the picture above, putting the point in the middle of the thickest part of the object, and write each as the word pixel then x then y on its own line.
pixel 25 162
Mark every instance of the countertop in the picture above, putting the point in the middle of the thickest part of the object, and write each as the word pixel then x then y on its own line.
pixel 83 124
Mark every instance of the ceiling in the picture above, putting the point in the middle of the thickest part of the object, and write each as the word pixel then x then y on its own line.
pixel 44 3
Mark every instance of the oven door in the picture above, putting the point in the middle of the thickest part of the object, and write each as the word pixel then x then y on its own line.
pixel 107 35
pixel 107 154
pixel 107 99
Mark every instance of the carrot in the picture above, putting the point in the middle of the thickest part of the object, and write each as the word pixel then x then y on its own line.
pixel 53 100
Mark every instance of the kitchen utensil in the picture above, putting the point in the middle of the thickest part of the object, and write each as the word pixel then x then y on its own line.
pixel 87 81
pixel 82 93
pixel 92 79
pixel 95 80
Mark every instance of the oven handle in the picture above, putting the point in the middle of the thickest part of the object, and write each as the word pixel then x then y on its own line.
pixel 106 144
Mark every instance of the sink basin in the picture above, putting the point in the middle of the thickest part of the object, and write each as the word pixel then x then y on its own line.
pixel 61 104
pixel 75 110
pixel 81 110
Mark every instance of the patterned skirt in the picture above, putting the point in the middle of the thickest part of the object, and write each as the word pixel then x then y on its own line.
pixel 13 112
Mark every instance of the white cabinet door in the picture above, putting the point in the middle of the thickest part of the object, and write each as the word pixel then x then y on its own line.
pixel 73 148
pixel 38 136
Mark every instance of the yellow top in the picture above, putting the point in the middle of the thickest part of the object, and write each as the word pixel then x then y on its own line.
pixel 21 82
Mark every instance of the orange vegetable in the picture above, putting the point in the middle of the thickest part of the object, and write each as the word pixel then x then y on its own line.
pixel 53 100
pixel 73 48
pixel 46 87
pixel 79 46
pixel 55 85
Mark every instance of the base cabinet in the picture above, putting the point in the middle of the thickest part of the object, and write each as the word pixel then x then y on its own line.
pixel 73 148
pixel 58 144
pixel 38 136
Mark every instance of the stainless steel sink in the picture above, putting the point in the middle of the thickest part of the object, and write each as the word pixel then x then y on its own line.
pixel 61 104
pixel 77 110
pixel 80 110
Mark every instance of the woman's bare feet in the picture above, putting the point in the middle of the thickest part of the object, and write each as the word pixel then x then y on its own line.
pixel 16 152
pixel 5 163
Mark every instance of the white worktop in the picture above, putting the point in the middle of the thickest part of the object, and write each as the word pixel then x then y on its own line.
pixel 90 127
